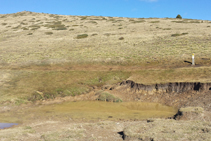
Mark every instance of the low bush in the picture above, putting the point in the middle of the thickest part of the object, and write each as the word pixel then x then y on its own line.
pixel 82 36
pixel 179 16
pixel 105 96
pixel 154 21
pixel 121 38
pixel 4 24
pixel 177 34
pixel 34 27
pixel 48 33
pixel 56 25
pixel 24 28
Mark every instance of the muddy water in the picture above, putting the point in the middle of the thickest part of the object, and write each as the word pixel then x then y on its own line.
pixel 91 110
pixel 109 110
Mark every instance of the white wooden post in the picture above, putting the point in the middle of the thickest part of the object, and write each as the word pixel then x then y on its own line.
pixel 193 61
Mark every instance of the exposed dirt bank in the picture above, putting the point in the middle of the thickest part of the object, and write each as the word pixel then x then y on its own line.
pixel 178 94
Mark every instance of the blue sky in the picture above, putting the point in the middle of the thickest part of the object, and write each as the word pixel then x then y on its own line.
pixel 193 9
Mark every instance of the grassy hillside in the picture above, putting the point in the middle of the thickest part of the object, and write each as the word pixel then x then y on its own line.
pixel 60 55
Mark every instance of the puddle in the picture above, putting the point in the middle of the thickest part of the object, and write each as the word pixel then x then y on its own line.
pixel 88 111
pixel 109 110
pixel 7 125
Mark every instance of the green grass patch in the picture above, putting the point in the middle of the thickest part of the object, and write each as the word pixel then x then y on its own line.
pixel 42 85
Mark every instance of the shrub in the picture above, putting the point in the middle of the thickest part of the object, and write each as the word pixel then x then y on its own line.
pixel 24 28
pixel 166 28
pixel 177 34
pixel 179 16
pixel 154 21
pixel 121 38
pixel 48 33
pixel 34 27
pixel 4 24
pixel 56 25
pixel 82 36
pixel 94 34
pixel 105 96
pixel 29 33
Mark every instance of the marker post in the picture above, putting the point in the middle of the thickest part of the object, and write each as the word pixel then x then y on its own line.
pixel 193 61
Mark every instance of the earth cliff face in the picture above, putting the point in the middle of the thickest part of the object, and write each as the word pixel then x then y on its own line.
pixel 178 94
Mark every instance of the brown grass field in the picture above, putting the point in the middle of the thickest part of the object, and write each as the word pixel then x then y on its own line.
pixel 46 56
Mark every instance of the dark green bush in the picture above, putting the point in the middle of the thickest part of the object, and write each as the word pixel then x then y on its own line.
pixel 179 16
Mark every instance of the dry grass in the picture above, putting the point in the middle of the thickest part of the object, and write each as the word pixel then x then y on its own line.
pixel 170 130
pixel 25 84
pixel 139 48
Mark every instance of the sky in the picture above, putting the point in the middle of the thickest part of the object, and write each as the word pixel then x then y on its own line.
pixel 190 9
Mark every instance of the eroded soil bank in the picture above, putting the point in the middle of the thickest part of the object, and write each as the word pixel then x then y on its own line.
pixel 178 94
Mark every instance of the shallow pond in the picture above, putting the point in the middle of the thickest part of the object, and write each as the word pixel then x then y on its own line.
pixel 91 110
pixel 7 125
